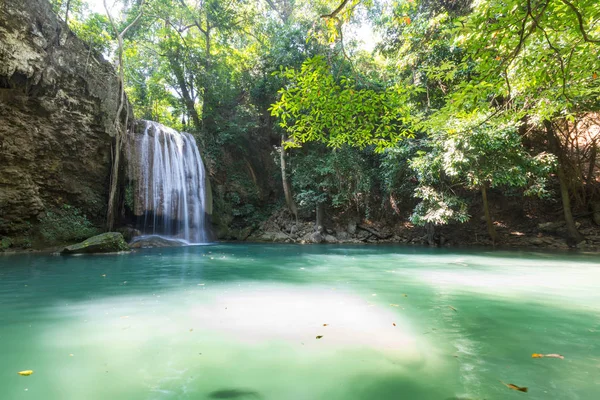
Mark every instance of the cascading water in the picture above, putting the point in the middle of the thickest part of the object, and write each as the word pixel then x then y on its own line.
pixel 169 184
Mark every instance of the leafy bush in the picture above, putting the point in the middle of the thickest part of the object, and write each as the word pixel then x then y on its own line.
pixel 66 224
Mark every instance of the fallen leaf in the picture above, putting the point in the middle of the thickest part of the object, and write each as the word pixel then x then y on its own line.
pixel 594 75
pixel 452 308
pixel 515 387
pixel 26 372
pixel 536 355
pixel 319 337
pixel 393 323
pixel 325 324
pixel 405 295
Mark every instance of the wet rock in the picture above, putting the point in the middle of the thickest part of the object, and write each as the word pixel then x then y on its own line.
pixel 155 241
pixel 110 242
pixel 552 227
pixel 342 236
pixel 129 233
pixel 352 227
pixel 330 239
pixel 316 237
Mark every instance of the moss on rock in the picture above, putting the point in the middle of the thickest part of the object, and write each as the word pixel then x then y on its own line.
pixel 109 242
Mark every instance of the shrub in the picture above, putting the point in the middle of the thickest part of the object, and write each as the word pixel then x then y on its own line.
pixel 66 224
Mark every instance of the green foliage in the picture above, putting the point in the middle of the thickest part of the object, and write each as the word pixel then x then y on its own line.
pixel 342 178
pixel 93 31
pixel 486 156
pixel 5 243
pixel 65 224
pixel 317 107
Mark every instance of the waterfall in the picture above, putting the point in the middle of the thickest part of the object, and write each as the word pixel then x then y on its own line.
pixel 169 184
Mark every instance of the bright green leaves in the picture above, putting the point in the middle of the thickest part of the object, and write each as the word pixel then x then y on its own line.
pixel 314 106
pixel 474 155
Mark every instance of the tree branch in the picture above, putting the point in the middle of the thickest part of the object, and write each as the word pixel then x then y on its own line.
pixel 335 12
pixel 580 20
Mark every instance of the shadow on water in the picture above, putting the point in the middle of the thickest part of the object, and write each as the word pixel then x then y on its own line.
pixel 234 394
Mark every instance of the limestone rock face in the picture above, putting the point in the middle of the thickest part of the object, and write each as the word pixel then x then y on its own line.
pixel 58 101
pixel 110 242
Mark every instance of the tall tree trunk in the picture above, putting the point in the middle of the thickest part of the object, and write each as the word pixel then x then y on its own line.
pixel 562 179
pixel 190 104
pixel 488 218
pixel 287 187
pixel 114 177
pixel 320 220
pixel 208 106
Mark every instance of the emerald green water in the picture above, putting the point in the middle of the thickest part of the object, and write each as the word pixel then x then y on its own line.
pixel 240 321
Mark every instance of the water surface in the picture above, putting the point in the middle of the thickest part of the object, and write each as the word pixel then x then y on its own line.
pixel 242 321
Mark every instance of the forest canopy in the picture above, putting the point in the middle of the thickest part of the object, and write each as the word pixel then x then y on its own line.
pixel 371 104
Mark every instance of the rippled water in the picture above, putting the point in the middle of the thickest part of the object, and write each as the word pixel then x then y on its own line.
pixel 242 321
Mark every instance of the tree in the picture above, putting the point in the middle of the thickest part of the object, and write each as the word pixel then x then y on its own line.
pixel 488 156
pixel 119 128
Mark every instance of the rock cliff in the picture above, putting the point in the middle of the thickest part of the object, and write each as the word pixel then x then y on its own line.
pixel 58 100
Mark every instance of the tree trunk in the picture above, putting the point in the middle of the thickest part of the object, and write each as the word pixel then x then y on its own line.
pixel 190 104
pixel 564 189
pixel 488 218
pixel 114 177
pixel 287 187
pixel 319 225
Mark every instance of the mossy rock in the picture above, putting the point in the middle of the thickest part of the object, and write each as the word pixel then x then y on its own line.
pixel 109 242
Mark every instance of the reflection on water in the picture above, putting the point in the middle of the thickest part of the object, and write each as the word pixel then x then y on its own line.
pixel 299 322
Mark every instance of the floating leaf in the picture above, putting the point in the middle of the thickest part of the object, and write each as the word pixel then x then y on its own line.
pixel 26 372
pixel 405 295
pixel 319 337
pixel 325 324
pixel 452 308
pixel 515 387
pixel 537 355
pixel 393 323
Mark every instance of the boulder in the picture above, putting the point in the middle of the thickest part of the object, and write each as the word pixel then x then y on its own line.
pixel 330 239
pixel 154 241
pixel 129 233
pixel 552 227
pixel 110 242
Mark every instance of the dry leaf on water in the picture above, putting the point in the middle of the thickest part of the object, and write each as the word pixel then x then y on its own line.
pixel 393 323
pixel 25 373
pixel 514 387
pixel 537 355
pixel 319 337
pixel 325 324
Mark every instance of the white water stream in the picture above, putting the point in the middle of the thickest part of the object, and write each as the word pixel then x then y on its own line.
pixel 170 184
